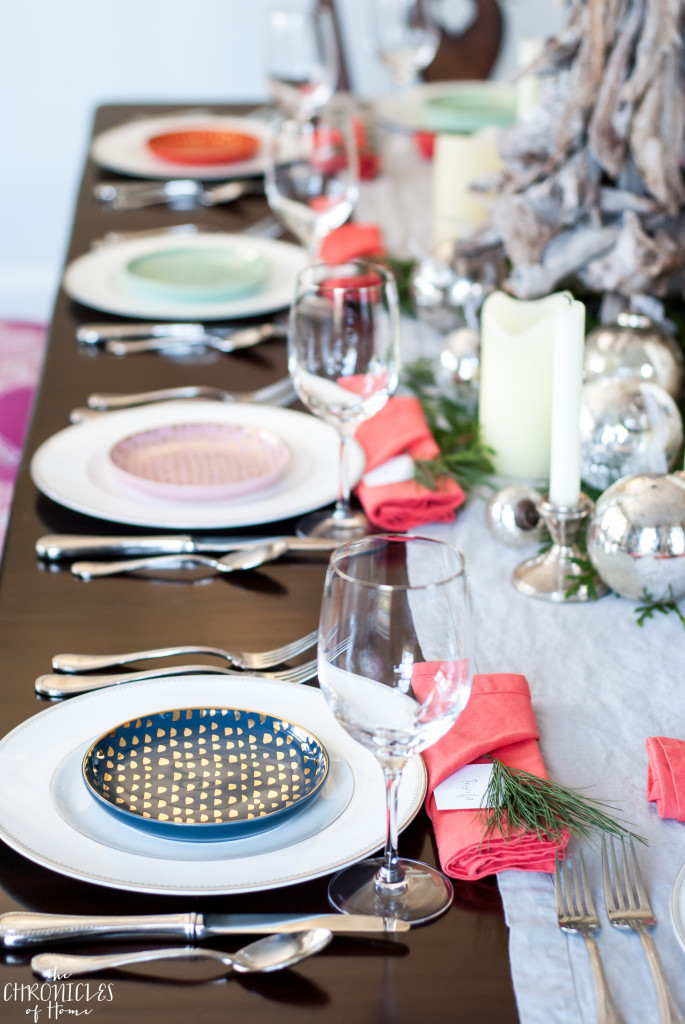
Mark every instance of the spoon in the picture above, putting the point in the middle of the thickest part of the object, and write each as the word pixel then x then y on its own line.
pixel 247 558
pixel 272 953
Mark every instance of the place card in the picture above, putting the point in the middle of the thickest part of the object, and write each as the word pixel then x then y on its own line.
pixel 464 789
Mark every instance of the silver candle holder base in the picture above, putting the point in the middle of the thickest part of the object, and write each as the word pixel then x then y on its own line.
pixel 552 575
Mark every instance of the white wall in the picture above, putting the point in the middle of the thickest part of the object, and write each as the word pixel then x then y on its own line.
pixel 62 58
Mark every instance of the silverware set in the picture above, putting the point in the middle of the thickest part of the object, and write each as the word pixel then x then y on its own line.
pixel 289 939
pixel 73 673
pixel 138 195
pixel 627 906
pixel 132 338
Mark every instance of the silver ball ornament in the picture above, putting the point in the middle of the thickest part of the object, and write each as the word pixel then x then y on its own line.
pixel 635 347
pixel 460 356
pixel 627 427
pixel 512 516
pixel 636 536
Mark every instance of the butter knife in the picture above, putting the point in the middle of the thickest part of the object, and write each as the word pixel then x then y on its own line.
pixel 55 546
pixel 19 928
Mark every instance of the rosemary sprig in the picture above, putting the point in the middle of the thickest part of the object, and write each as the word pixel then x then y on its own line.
pixel 516 800
pixel 463 454
pixel 650 606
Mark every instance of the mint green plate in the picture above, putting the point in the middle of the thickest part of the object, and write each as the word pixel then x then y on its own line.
pixel 196 274
pixel 470 108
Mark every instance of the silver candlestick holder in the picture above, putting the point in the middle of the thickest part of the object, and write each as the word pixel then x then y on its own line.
pixel 553 576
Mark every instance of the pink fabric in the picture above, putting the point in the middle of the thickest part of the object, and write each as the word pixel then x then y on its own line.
pixel 352 241
pixel 400 427
pixel 21 357
pixel 497 721
pixel 666 776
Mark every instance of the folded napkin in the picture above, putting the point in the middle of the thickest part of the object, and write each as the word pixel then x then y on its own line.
pixel 392 439
pixel 498 720
pixel 666 776
pixel 352 241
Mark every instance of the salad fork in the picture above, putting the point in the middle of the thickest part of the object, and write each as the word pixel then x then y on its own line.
pixel 239 659
pixel 576 912
pixel 55 685
pixel 628 906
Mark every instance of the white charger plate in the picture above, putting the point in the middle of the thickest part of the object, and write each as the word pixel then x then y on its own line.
pixel 123 149
pixel 74 469
pixel 43 819
pixel 99 279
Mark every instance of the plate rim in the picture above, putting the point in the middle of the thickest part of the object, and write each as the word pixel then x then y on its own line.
pixel 676 916
pixel 189 515
pixel 413 789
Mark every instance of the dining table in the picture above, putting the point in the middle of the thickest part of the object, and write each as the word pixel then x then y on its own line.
pixel 459 963
pixel 600 683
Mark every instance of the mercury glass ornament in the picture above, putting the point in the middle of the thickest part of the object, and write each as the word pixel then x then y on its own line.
pixel 627 427
pixel 448 292
pixel 635 348
pixel 460 356
pixel 636 536
pixel 512 516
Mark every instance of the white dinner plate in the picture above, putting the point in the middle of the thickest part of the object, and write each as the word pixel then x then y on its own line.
pixel 99 278
pixel 74 469
pixel 43 815
pixel 678 906
pixel 123 149
pixel 414 111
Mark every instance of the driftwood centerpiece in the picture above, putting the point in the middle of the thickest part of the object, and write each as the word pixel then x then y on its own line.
pixel 592 187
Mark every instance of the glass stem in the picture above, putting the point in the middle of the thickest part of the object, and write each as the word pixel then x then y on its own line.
pixel 342 505
pixel 390 878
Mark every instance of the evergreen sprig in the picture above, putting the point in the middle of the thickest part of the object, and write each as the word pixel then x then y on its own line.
pixel 517 801
pixel 647 609
pixel 463 454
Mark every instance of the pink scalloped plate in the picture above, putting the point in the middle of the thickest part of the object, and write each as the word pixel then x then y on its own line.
pixel 201 461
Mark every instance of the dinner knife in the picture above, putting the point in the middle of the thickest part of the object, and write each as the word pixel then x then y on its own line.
pixel 20 928
pixel 55 546
pixel 96 333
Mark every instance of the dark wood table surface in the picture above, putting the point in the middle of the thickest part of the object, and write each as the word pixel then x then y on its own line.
pixel 454 968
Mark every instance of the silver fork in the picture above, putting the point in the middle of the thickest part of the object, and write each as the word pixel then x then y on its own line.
pixel 54 685
pixel 628 906
pixel 239 659
pixel 279 393
pixel 576 912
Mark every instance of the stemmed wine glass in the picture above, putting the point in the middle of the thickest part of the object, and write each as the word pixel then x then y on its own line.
pixel 407 37
pixel 344 361
pixel 301 57
pixel 394 655
pixel 311 179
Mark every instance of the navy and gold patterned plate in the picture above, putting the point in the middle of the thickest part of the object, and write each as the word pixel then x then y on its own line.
pixel 209 773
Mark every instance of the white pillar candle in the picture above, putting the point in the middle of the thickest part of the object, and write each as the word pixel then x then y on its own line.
pixel 567 383
pixel 459 160
pixel 516 365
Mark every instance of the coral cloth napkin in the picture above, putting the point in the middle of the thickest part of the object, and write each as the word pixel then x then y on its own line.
pixel 400 428
pixel 498 720
pixel 666 776
pixel 351 242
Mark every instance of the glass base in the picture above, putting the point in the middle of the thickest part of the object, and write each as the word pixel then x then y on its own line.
pixel 342 528
pixel 426 893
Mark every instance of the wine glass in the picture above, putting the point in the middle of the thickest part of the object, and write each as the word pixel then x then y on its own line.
pixel 344 360
pixel 301 57
pixel 407 37
pixel 310 178
pixel 394 655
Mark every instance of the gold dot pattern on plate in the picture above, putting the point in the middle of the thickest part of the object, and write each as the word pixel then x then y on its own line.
pixel 203 766
pixel 201 454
